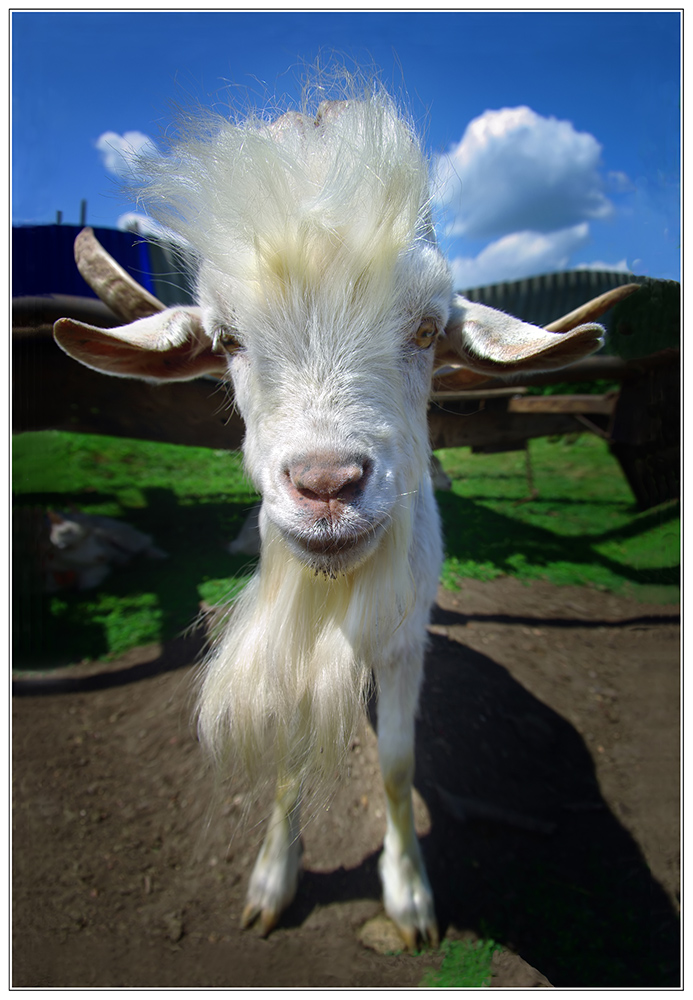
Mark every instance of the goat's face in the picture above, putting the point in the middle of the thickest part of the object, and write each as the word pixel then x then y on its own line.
pixel 330 285
pixel 318 271
pixel 333 383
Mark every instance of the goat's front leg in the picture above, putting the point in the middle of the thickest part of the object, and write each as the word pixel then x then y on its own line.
pixel 407 892
pixel 274 879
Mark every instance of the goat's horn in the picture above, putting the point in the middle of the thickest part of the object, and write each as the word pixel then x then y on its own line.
pixel 591 310
pixel 114 286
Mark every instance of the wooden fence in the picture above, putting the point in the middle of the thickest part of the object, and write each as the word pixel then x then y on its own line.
pixel 640 419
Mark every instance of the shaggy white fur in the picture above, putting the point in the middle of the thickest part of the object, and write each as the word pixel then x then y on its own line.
pixel 323 297
pixel 313 239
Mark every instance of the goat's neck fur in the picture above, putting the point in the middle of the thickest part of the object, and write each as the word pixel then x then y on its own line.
pixel 287 683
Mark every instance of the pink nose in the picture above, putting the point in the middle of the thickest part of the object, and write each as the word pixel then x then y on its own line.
pixel 321 479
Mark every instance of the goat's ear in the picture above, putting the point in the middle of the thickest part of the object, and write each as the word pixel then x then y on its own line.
pixel 169 346
pixel 490 342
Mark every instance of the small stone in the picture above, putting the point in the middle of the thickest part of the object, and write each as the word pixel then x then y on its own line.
pixel 173 923
pixel 380 935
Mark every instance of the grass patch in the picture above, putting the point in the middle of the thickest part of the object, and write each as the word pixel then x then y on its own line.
pixel 465 964
pixel 581 527
pixel 192 501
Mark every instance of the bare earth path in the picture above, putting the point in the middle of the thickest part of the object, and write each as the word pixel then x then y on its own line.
pixel 547 795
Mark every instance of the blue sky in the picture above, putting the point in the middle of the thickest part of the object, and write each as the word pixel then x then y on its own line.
pixel 554 137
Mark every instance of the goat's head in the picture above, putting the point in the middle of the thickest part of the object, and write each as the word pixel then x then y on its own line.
pixel 323 295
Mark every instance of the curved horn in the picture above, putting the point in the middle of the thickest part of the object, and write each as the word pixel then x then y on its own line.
pixel 592 309
pixel 111 282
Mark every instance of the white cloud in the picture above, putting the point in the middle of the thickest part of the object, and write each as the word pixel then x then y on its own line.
pixel 600 265
pixel 515 171
pixel 619 183
pixel 120 153
pixel 519 255
pixel 136 222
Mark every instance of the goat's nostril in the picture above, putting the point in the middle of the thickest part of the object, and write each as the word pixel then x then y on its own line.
pixel 328 480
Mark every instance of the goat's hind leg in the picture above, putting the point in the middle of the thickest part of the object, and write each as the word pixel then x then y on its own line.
pixel 274 880
pixel 406 890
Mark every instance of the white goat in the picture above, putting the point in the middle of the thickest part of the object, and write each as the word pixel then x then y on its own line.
pixel 325 301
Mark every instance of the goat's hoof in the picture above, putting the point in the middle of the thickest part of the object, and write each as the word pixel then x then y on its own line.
pixel 414 937
pixel 433 937
pixel 248 916
pixel 268 918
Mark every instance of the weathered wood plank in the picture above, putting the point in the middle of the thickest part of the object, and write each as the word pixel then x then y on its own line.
pixel 495 427
pixel 33 313
pixel 578 403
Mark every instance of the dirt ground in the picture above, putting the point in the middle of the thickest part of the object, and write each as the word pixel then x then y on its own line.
pixel 547 799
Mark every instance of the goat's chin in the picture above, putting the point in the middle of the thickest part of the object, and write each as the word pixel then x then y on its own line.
pixel 333 553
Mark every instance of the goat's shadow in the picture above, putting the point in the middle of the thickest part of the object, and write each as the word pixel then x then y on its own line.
pixel 578 903
pixel 552 874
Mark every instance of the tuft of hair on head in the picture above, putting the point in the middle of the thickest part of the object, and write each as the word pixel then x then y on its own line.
pixel 336 188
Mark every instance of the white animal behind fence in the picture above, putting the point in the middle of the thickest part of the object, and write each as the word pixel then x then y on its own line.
pixel 81 549
pixel 325 302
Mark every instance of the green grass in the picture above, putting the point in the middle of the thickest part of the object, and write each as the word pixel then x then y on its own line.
pixel 465 964
pixel 193 501
pixel 582 527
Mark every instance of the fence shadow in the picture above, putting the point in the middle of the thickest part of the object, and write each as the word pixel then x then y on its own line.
pixel 475 533
pixel 51 629
pixel 570 889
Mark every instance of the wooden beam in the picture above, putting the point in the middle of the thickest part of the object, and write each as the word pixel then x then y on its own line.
pixel 504 392
pixel 35 314
pixel 494 427
pixel 563 404
pixel 53 392
pixel 599 366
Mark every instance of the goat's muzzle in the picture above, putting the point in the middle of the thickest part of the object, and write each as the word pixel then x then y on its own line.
pixel 318 482
pixel 326 490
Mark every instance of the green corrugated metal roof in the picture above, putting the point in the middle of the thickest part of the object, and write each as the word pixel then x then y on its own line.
pixel 544 298
pixel 645 322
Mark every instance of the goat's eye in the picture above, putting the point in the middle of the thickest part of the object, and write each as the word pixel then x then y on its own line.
pixel 426 334
pixel 226 341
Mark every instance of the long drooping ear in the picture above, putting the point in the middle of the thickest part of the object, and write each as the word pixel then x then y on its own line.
pixel 488 342
pixel 169 346
pixel 159 344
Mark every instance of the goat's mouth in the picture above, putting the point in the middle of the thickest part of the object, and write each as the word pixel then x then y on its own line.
pixel 333 548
